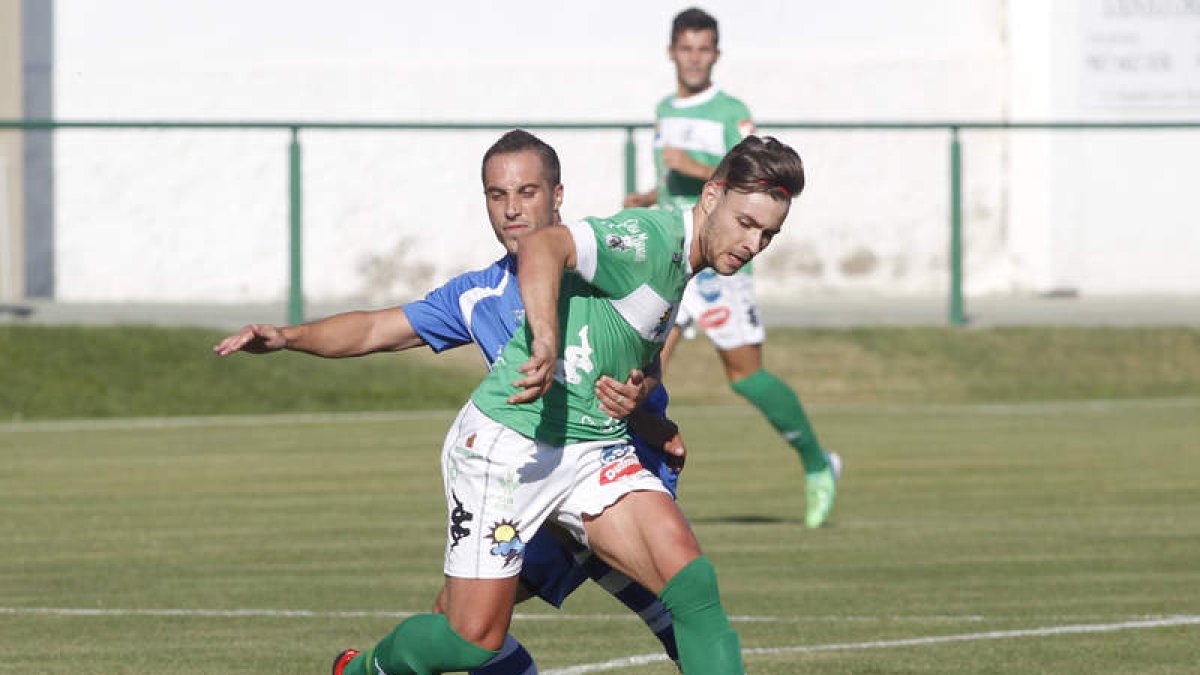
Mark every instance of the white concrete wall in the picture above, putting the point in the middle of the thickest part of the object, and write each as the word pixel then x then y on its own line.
pixel 203 215
pixel 1103 212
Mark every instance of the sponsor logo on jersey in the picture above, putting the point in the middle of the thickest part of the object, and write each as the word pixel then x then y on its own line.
pixel 628 242
pixel 746 128
pixel 458 516
pixel 664 324
pixel 606 423
pixel 618 462
pixel 630 225
pixel 714 318
pixel 507 539
pixel 708 285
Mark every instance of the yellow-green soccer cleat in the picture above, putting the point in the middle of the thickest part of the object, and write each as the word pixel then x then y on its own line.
pixel 820 491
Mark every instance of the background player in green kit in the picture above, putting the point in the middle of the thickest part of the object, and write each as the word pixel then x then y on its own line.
pixel 694 128
pixel 599 295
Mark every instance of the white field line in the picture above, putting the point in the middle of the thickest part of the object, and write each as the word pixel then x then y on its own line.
pixel 547 616
pixel 303 614
pixel 382 614
pixel 641 659
pixel 290 419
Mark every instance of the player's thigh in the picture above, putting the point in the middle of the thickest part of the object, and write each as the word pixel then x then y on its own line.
pixel 480 610
pixel 645 536
pixel 741 362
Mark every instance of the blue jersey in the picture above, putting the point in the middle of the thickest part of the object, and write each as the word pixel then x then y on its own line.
pixel 482 307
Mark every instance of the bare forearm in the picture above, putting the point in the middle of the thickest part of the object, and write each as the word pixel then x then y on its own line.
pixel 353 334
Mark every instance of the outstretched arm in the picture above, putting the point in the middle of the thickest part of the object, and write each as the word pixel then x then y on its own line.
pixel 337 336
pixel 544 256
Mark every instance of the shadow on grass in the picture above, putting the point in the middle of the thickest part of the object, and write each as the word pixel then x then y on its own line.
pixel 744 519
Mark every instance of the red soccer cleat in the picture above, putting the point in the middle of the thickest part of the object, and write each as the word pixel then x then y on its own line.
pixel 339 664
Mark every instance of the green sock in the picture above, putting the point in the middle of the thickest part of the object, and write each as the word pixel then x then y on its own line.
pixel 775 399
pixel 421 645
pixel 707 643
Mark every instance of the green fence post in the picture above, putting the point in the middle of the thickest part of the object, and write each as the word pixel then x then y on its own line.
pixel 630 162
pixel 957 315
pixel 295 259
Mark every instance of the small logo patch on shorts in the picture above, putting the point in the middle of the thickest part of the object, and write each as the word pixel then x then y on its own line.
pixel 507 539
pixel 458 516
pixel 618 462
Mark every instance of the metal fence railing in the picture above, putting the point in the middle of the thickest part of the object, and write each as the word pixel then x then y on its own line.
pixel 956 308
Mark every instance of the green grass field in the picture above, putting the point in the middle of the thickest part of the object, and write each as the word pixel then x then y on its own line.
pixel 1024 538
pixel 1015 501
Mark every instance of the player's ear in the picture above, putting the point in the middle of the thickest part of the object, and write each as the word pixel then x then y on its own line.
pixel 558 196
pixel 711 195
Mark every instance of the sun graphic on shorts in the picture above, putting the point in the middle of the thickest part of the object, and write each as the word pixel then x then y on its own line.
pixel 508 542
pixel 504 532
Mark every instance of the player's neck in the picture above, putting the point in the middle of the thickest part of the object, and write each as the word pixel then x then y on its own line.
pixel 683 92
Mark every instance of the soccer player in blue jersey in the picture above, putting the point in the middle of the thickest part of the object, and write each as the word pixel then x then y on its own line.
pixel 523 192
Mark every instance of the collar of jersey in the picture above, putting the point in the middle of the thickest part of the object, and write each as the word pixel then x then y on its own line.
pixel 687 241
pixel 695 99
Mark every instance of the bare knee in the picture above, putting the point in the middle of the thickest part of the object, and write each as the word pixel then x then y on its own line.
pixel 741 362
pixel 478 631
pixel 479 610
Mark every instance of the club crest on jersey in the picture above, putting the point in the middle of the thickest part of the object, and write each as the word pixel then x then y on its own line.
pixel 663 325
pixel 618 462
pixel 507 539
pixel 628 242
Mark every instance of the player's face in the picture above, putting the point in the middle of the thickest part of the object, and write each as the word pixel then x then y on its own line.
pixel 738 226
pixel 694 53
pixel 519 196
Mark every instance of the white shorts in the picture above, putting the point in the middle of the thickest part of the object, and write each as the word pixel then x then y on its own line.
pixel 725 307
pixel 501 486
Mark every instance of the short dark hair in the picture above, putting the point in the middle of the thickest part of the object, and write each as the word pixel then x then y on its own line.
pixel 694 18
pixel 519 140
pixel 761 165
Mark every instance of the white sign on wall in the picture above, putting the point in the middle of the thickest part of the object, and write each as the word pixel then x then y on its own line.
pixel 1143 53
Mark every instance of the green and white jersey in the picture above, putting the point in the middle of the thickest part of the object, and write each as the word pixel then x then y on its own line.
pixel 615 310
pixel 707 125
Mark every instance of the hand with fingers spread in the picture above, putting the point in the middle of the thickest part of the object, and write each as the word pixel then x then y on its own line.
pixel 256 338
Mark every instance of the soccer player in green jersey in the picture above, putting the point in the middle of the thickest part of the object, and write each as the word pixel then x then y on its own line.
pixel 533 445
pixel 693 130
